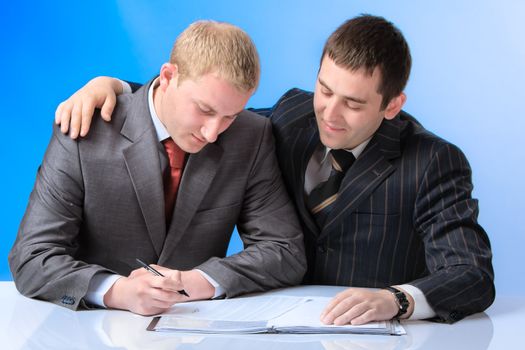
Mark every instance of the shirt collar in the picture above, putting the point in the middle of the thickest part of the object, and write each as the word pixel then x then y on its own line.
pixel 162 133
pixel 356 151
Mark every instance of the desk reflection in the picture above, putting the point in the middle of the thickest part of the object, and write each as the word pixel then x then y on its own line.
pixel 42 325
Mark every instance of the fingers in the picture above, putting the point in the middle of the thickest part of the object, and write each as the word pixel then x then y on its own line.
pixel 76 119
pixel 335 301
pixel 58 112
pixel 138 272
pixel 76 113
pixel 365 317
pixel 88 109
pixel 149 295
pixel 63 115
pixel 357 306
pixel 173 281
pixel 342 308
pixel 347 315
pixel 107 108
pixel 164 298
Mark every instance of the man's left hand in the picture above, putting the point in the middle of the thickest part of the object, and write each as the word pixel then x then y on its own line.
pixel 193 282
pixel 359 306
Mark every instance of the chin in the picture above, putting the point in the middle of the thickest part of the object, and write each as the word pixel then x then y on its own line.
pixel 193 148
pixel 330 143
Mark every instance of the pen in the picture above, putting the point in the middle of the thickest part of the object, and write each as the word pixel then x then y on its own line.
pixel 157 273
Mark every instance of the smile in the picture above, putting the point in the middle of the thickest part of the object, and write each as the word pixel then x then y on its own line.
pixel 198 139
pixel 332 128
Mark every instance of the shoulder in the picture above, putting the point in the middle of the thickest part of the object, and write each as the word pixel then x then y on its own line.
pixel 412 131
pixel 419 143
pixel 294 110
pixel 248 121
pixel 295 97
pixel 248 127
pixel 294 102
pixel 249 137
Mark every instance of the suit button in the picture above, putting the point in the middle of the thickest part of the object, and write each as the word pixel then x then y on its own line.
pixel 321 249
pixel 456 315
pixel 68 300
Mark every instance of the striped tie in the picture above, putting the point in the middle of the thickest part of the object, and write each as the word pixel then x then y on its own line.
pixel 324 195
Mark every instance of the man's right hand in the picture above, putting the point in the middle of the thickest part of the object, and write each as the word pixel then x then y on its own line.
pixel 144 293
pixel 75 113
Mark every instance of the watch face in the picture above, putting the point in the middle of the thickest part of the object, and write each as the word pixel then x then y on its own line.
pixel 401 300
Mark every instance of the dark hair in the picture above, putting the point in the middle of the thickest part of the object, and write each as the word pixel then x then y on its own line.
pixel 368 42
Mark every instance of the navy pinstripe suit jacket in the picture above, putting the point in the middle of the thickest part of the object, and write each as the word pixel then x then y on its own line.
pixel 404 213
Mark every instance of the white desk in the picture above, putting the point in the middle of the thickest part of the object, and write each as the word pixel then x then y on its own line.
pixel 33 324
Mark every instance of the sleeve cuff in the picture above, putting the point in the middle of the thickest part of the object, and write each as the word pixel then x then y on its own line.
pixel 219 291
pixel 422 309
pixel 98 287
pixel 126 88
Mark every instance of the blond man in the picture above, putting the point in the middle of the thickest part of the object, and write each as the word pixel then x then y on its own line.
pixel 166 183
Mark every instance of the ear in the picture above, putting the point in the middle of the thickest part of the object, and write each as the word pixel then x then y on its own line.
pixel 394 106
pixel 168 74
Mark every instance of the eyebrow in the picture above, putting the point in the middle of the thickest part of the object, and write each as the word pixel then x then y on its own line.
pixel 350 98
pixel 212 110
pixel 206 106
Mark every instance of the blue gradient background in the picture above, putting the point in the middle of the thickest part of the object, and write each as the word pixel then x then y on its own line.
pixel 466 83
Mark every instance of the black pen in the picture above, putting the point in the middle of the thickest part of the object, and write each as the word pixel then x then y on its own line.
pixel 157 273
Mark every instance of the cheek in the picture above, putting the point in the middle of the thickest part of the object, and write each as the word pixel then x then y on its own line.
pixel 318 103
pixel 190 119
pixel 356 121
pixel 362 123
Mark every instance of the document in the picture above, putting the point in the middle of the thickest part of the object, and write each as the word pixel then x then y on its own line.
pixel 260 314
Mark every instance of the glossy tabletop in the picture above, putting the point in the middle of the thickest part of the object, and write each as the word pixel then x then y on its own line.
pixel 33 324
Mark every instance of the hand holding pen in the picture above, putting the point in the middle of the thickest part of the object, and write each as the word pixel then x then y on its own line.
pixel 157 273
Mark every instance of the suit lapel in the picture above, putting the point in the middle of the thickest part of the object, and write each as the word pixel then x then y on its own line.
pixel 303 145
pixel 199 172
pixel 142 161
pixel 143 165
pixel 371 168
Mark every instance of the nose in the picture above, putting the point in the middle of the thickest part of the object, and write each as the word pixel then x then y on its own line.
pixel 331 109
pixel 211 129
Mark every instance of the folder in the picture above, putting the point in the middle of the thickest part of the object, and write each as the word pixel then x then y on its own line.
pixel 261 314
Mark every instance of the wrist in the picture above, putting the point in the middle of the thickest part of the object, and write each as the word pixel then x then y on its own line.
pixel 411 303
pixel 402 301
pixel 103 82
pixel 196 285
pixel 113 297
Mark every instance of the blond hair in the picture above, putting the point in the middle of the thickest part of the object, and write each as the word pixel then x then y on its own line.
pixel 217 47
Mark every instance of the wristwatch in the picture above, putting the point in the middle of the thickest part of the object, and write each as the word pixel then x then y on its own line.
pixel 401 300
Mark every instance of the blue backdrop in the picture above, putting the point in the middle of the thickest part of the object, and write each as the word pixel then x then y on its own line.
pixel 466 83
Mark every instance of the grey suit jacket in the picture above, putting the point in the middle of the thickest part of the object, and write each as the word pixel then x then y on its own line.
pixel 404 213
pixel 98 204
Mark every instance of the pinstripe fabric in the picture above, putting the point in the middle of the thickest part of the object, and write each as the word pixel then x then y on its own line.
pixel 404 213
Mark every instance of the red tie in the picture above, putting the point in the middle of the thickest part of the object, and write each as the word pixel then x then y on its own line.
pixel 171 182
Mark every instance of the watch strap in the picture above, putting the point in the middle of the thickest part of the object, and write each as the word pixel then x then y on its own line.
pixel 401 300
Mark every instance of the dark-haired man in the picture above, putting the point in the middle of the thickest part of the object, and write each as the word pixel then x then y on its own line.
pixel 383 202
